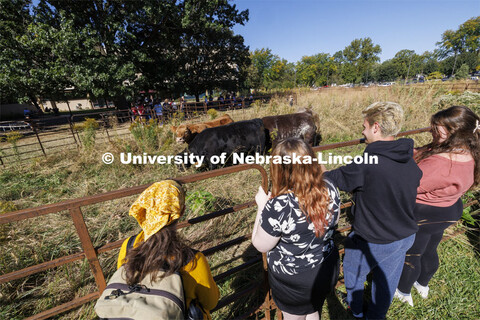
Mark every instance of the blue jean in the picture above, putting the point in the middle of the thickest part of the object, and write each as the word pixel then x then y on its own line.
pixel 385 261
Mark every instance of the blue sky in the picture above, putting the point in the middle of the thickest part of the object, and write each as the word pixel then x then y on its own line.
pixel 295 28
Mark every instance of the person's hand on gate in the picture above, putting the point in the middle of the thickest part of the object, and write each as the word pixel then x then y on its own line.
pixel 261 197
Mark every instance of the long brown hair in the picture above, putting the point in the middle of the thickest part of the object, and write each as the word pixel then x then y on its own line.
pixel 460 123
pixel 305 180
pixel 162 251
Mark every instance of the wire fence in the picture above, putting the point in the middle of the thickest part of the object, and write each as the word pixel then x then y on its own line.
pixel 26 140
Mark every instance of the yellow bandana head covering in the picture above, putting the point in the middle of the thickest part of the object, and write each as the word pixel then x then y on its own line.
pixel 158 206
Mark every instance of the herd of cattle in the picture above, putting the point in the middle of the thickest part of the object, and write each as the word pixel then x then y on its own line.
pixel 223 135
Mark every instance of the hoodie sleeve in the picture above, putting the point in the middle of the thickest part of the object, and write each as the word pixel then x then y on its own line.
pixel 347 178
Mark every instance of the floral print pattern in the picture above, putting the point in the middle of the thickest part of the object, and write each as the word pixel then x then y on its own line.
pixel 298 248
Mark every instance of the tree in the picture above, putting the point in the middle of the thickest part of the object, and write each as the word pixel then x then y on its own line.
pixel 216 61
pixel 269 71
pixel 316 70
pixel 469 33
pixel 359 58
pixel 115 48
pixel 465 39
pixel 212 56
pixel 407 63
pixel 96 43
pixel 338 61
pixel 387 71
pixel 451 64
pixel 31 55
pixel 450 44
pixel 280 75
pixel 462 72
pixel 16 59
pixel 429 62
pixel 262 61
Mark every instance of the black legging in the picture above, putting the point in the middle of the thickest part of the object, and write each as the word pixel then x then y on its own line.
pixel 421 261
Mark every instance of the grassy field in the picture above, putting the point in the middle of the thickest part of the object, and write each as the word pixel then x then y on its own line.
pixel 69 174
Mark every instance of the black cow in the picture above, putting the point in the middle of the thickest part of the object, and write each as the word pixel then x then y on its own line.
pixel 241 137
pixel 297 125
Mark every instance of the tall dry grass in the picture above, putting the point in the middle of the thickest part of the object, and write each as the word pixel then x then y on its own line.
pixel 70 174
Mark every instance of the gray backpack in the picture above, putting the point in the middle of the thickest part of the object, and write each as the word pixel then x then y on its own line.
pixel 162 299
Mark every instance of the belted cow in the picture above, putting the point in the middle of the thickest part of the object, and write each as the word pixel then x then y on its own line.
pixel 298 125
pixel 187 132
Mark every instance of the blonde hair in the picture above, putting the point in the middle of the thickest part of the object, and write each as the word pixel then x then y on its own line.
pixel 388 115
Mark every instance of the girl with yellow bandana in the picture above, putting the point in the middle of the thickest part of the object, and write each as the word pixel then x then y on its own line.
pixel 158 246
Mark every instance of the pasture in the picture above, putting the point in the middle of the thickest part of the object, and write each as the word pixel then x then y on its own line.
pixel 73 173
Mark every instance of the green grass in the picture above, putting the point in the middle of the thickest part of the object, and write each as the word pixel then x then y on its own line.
pixel 454 289
pixel 69 174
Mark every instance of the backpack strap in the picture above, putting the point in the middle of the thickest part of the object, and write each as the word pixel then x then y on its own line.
pixel 195 310
pixel 130 243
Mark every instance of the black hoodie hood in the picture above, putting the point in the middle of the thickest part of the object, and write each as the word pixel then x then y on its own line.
pixel 401 151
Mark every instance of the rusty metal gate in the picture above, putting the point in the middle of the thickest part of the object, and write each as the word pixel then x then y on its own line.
pixel 91 253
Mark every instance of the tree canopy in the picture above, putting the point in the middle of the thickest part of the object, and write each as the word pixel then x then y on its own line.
pixel 465 39
pixel 116 48
pixel 359 62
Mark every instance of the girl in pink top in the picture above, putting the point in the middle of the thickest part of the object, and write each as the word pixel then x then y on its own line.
pixel 450 166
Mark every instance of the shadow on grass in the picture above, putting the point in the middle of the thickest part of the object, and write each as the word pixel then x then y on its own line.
pixel 241 281
pixel 336 310
pixel 473 235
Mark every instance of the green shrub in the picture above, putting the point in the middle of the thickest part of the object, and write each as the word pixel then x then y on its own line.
pixel 177 118
pixel 88 129
pixel 146 134
pixel 200 202
pixel 467 212
pixel 7 206
pixel 212 113
pixel 467 99
pixel 435 75
pixel 12 137
pixel 462 72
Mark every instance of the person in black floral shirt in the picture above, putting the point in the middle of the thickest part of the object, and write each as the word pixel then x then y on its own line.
pixel 295 225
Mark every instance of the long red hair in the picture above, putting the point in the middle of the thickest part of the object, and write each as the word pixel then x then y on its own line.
pixel 304 180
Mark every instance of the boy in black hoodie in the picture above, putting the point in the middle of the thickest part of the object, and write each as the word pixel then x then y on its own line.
pixel 384 195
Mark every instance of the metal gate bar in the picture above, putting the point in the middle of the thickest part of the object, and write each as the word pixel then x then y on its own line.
pixel 91 253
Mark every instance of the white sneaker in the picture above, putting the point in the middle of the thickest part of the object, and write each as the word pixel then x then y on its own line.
pixel 404 297
pixel 422 291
